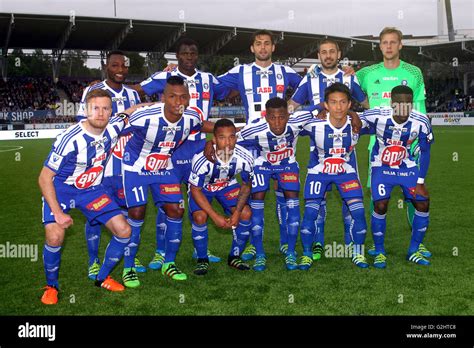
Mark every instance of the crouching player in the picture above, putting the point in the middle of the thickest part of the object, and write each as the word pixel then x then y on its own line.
pixel 396 128
pixel 210 180
pixel 71 178
pixel 333 161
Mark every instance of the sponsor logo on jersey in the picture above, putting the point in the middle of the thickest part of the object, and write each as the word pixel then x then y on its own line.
pixel 337 135
pixel 206 95
pixel 120 147
pixel 88 178
pixel 377 82
pixel 119 99
pixel 99 159
pixel 337 151
pixel 169 144
pixel 265 90
pixel 390 78
pixel 334 165
pixel 171 128
pixel 121 193
pixel 99 203
pixel 280 88
pixel 55 161
pixel 393 155
pixel 156 161
pixel 350 185
pixel 194 95
pixel 232 194
pixel 99 142
pixel 170 189
pixel 278 156
pixel 386 95
pixel 289 177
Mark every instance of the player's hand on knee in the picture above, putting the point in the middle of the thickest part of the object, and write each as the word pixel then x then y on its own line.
pixel 63 220
pixel 421 190
pixel 221 221
pixel 234 219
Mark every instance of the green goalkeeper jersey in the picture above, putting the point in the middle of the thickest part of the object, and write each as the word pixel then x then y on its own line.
pixel 377 82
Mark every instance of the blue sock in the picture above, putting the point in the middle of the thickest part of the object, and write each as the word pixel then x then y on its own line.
pixel 174 233
pixel 293 207
pixel 308 227
pixel 160 231
pixel 421 221
pixel 132 248
pixel 282 213
pixel 257 225
pixel 200 237
pixel 378 226
pixel 358 229
pixel 320 222
pixel 93 241
pixel 51 261
pixel 347 219
pixel 240 236
pixel 113 254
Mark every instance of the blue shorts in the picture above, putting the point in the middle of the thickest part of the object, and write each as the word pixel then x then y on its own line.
pixel 164 186
pixel 94 202
pixel 227 198
pixel 114 187
pixel 348 185
pixel 183 156
pixel 287 176
pixel 384 179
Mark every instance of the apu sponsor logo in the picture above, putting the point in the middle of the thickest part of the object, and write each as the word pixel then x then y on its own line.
pixel 156 161
pixel 264 90
pixel 393 155
pixel 289 177
pixel 334 165
pixel 99 203
pixel 278 156
pixel 120 147
pixel 350 185
pixel 87 178
pixel 37 331
pixel 169 189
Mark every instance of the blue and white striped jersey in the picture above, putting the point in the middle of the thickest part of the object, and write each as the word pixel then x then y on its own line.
pixel 155 138
pixel 311 89
pixel 78 157
pixel 393 139
pixel 121 101
pixel 203 88
pixel 214 177
pixel 274 149
pixel 331 148
pixel 256 85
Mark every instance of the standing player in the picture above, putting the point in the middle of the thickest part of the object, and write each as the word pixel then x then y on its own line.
pixel 311 89
pixel 210 180
pixel 275 139
pixel 257 83
pixel 123 97
pixel 158 130
pixel 203 88
pixel 396 128
pixel 71 178
pixel 378 80
pixel 333 161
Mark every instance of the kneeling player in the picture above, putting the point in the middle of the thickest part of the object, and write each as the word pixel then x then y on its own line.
pixel 333 161
pixel 210 180
pixel 392 164
pixel 71 178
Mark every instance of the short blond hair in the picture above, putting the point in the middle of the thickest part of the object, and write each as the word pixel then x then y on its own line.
pixel 391 30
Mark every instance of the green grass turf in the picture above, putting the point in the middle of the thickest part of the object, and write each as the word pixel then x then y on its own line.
pixel 333 286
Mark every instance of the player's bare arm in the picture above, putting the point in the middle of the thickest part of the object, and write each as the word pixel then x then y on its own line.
pixel 202 202
pixel 46 185
pixel 244 194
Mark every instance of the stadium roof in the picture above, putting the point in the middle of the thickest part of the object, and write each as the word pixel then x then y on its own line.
pixel 29 31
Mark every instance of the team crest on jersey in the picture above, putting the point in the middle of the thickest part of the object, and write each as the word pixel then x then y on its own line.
pixel 414 134
pixel 279 77
pixel 99 203
pixel 86 179
pixel 404 82
pixel 205 85
pixel 55 161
